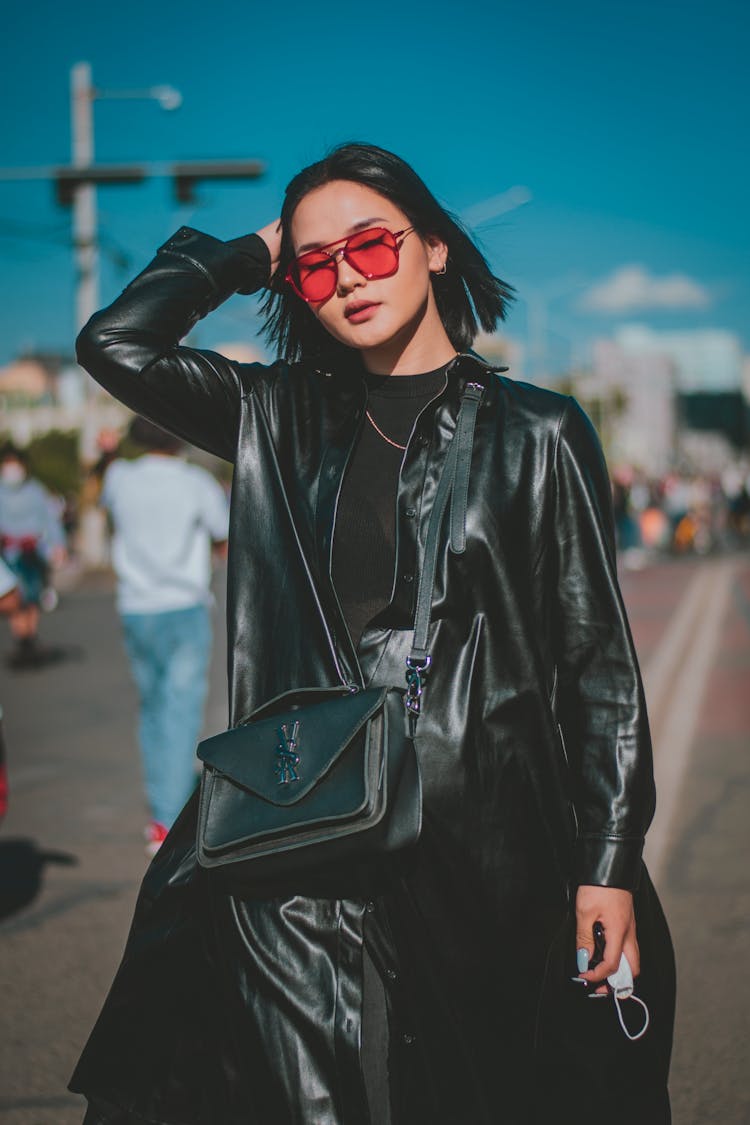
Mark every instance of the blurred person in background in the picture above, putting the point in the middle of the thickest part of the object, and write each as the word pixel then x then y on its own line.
pixel 436 990
pixel 32 541
pixel 694 529
pixel 655 528
pixel 735 482
pixel 676 502
pixel 626 516
pixel 166 514
pixel 10 601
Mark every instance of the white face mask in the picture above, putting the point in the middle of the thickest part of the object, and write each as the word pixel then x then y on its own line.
pixel 12 472
pixel 621 983
pixel 621 987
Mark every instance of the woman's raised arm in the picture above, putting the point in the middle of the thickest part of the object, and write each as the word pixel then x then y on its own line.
pixel 132 348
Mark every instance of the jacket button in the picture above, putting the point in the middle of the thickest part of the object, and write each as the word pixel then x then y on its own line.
pixel 370 907
pixel 408 577
pixel 424 440
pixel 408 1038
pixel 411 513
pixel 391 974
pixel 332 470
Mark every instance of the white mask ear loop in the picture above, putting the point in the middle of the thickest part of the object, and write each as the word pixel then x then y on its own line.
pixel 623 1025
pixel 621 983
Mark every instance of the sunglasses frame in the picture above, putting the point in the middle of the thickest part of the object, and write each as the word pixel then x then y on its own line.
pixel 397 235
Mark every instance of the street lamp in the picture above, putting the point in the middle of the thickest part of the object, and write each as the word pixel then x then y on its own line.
pixel 166 96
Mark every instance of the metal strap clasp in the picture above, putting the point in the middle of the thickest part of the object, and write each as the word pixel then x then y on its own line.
pixel 416 672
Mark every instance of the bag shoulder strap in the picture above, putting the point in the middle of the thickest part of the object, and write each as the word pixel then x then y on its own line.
pixel 454 486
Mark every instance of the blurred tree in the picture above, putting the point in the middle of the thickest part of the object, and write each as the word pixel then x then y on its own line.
pixel 723 411
pixel 54 459
pixel 603 404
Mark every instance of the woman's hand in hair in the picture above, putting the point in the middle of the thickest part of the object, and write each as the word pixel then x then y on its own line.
pixel 271 235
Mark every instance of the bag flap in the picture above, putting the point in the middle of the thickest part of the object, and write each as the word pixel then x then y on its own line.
pixel 282 757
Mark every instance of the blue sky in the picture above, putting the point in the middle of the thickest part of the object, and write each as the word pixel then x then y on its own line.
pixel 627 123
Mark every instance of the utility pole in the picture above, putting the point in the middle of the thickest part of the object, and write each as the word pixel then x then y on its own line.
pixel 75 187
pixel 83 185
pixel 84 195
pixel 76 183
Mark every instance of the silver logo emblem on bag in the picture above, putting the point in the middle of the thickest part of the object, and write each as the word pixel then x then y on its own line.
pixel 286 754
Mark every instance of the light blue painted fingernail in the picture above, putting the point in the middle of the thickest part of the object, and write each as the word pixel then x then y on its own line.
pixel 582 960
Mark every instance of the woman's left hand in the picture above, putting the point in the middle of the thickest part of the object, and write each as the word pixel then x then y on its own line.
pixel 612 907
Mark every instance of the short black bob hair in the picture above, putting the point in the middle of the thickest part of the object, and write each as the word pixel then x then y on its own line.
pixel 151 437
pixel 9 451
pixel 467 295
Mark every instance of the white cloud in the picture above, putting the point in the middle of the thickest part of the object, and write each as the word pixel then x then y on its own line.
pixel 633 287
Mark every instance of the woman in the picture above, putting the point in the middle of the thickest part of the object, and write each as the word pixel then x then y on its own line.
pixel 32 541
pixel 10 600
pixel 439 991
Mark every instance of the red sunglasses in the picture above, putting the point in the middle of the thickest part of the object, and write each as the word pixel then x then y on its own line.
pixel 372 252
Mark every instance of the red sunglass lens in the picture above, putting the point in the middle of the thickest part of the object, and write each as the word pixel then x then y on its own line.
pixel 315 275
pixel 373 252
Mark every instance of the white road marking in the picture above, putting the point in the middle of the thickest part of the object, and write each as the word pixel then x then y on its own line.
pixel 675 681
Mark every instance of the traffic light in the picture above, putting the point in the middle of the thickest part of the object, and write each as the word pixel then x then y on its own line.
pixel 187 175
pixel 68 179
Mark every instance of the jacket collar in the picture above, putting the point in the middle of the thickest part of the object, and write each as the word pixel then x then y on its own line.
pixel 468 367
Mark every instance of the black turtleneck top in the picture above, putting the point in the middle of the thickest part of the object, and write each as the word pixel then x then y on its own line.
pixel 365 534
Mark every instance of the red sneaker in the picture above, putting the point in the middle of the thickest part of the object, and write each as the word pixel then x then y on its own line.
pixel 155 834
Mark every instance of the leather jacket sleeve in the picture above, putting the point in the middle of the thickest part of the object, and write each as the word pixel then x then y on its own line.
pixel 132 347
pixel 600 700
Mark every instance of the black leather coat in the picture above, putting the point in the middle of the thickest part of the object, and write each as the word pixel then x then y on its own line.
pixel 533 744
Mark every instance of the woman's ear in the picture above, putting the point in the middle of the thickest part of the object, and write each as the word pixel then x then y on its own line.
pixel 437 253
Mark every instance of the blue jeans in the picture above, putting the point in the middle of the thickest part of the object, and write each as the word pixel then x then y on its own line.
pixel 169 655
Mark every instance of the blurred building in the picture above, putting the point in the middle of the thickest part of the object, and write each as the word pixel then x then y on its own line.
pixel 30 380
pixel 668 399
pixel 705 359
pixel 638 404
pixel 42 379
pixel 40 392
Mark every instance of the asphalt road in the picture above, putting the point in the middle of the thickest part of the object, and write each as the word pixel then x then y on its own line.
pixel 71 855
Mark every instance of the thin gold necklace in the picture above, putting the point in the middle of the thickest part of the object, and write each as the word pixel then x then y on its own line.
pixel 377 429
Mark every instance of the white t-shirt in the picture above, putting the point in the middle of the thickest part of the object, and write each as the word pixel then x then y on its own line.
pixel 165 514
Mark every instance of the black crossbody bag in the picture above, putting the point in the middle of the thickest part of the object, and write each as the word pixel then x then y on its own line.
pixel 317 777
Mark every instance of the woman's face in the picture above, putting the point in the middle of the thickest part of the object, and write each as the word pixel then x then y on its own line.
pixel 368 314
